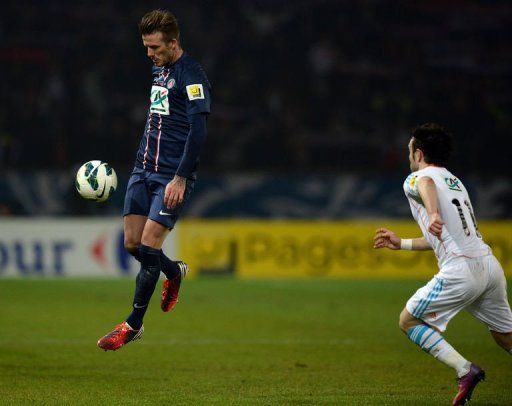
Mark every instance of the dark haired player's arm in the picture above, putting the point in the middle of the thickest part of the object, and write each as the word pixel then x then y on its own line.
pixel 420 244
pixel 195 139
pixel 428 194
pixel 385 238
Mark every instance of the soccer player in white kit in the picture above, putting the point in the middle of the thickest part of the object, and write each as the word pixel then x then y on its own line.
pixel 469 276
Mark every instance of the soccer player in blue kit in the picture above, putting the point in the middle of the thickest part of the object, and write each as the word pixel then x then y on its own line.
pixel 165 168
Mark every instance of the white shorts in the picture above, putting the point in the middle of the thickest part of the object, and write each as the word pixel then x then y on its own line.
pixel 475 284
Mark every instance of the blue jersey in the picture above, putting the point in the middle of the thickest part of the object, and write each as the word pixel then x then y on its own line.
pixel 179 91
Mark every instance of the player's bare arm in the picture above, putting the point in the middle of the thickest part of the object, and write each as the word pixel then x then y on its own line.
pixel 385 238
pixel 428 193
pixel 174 192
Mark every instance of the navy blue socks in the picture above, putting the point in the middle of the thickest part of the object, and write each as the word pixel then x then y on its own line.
pixel 168 267
pixel 145 283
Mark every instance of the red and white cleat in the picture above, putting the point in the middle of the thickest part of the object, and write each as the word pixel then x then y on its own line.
pixel 120 336
pixel 171 288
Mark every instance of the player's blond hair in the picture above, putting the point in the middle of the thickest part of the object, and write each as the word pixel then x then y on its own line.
pixel 160 21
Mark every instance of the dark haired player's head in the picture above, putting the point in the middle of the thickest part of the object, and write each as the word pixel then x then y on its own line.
pixel 430 144
pixel 161 36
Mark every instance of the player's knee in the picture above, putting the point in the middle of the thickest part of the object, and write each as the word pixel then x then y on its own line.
pixel 402 325
pixel 406 321
pixel 132 247
pixel 403 322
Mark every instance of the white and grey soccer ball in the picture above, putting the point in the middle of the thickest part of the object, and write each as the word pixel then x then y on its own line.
pixel 96 180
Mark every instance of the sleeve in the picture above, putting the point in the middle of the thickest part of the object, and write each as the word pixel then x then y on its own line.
pixel 195 139
pixel 411 187
pixel 411 184
pixel 197 91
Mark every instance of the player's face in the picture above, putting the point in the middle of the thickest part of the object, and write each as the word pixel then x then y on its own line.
pixel 160 52
pixel 413 157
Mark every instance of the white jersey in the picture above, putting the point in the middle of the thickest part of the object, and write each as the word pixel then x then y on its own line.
pixel 460 237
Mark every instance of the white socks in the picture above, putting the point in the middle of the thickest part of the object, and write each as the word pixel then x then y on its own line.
pixel 432 342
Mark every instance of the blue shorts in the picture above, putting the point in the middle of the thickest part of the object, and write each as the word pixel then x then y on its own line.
pixel 145 197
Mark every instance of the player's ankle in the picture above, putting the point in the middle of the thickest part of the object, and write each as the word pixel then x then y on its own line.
pixel 464 369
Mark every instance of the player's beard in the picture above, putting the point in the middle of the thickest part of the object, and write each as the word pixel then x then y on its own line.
pixel 163 59
pixel 167 57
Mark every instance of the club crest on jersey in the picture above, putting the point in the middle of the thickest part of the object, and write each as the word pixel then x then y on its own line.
pixel 195 92
pixel 171 83
pixel 453 184
pixel 159 100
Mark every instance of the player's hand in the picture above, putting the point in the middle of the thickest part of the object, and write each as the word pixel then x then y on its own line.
pixel 174 192
pixel 385 238
pixel 435 226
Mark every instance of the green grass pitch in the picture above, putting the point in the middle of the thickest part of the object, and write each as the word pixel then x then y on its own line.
pixel 231 342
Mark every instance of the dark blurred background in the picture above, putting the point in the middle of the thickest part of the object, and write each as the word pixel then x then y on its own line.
pixel 311 99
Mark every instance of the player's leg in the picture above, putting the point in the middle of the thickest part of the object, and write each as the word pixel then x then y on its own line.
pixel 504 340
pixel 137 205
pixel 136 208
pixel 430 340
pixel 492 307
pixel 171 269
pixel 133 228
pixel 168 217
pixel 427 314
pixel 153 236
pixel 160 221
pixel 152 239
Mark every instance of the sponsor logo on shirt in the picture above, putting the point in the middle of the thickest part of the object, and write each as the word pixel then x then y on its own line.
pixel 453 184
pixel 195 92
pixel 171 83
pixel 159 100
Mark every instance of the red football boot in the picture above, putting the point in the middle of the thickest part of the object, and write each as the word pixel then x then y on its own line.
pixel 120 336
pixel 171 288
pixel 467 384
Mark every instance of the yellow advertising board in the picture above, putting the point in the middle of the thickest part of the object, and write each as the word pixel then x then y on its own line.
pixel 334 249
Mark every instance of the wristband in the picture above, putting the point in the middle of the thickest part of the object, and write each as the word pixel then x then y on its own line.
pixel 406 244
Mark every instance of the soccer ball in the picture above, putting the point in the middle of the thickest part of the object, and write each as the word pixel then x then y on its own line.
pixel 96 180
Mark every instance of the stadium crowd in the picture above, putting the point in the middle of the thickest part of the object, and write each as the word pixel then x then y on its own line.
pixel 303 86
